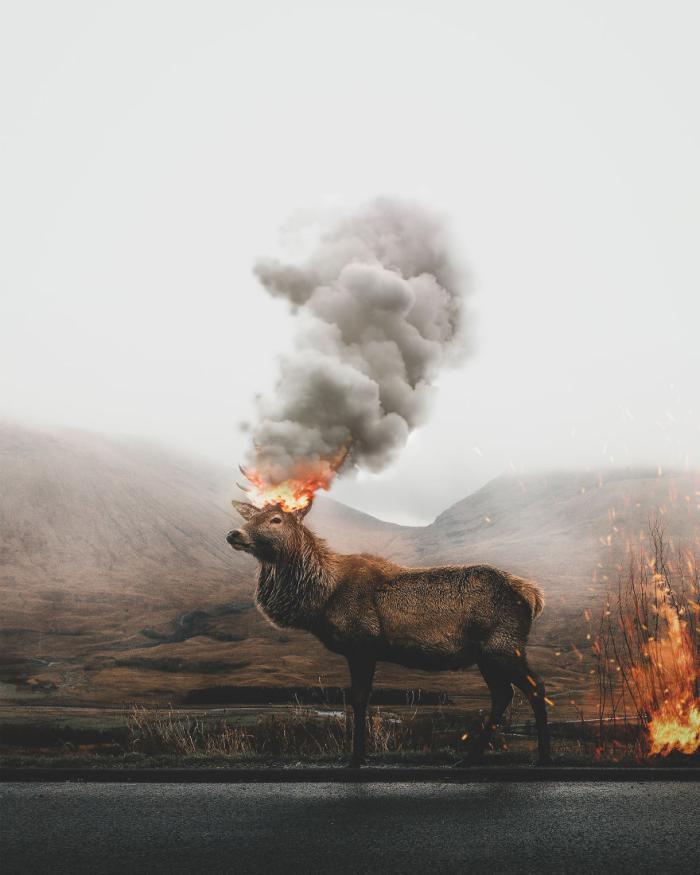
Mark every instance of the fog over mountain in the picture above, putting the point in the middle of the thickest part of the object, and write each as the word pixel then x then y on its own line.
pixel 556 139
pixel 116 583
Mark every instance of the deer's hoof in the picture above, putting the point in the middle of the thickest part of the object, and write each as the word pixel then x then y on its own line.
pixel 469 761
pixel 356 763
pixel 544 760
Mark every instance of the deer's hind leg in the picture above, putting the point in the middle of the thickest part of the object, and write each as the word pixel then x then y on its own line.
pixel 501 691
pixel 533 686
pixel 517 669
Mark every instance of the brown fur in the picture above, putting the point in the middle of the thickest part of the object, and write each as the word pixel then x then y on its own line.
pixel 529 590
pixel 370 610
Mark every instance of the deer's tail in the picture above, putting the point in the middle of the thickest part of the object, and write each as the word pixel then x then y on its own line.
pixel 529 591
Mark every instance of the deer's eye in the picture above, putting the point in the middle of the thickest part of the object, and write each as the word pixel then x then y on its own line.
pixel 276 519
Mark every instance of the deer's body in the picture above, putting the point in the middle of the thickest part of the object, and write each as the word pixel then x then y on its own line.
pixel 370 610
pixel 430 618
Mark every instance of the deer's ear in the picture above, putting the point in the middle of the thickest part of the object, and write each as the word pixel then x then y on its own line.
pixel 301 513
pixel 245 509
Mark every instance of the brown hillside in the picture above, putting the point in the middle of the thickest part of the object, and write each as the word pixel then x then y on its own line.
pixel 116 583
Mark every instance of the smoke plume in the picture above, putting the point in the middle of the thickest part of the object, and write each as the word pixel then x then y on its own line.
pixel 379 309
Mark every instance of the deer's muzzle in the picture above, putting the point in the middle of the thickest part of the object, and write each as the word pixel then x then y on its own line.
pixel 238 539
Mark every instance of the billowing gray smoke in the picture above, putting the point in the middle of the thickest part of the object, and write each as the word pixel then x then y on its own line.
pixel 380 311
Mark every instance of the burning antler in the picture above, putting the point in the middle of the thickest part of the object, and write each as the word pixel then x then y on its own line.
pixel 297 489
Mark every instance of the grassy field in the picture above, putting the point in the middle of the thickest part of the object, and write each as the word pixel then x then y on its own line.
pixel 292 734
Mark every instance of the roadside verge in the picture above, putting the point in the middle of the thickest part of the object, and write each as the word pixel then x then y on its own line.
pixel 310 775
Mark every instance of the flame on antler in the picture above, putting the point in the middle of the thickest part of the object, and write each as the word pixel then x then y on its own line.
pixel 297 489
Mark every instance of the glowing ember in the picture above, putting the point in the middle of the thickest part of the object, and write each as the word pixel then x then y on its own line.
pixel 295 491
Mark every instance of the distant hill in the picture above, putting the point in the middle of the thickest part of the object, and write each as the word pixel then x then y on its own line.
pixel 571 531
pixel 116 583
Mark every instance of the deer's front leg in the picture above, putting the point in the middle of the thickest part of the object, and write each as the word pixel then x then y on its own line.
pixel 361 676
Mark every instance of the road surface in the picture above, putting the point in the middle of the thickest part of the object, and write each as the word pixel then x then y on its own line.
pixel 504 828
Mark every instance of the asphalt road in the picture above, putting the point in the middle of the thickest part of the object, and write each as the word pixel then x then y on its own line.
pixel 361 828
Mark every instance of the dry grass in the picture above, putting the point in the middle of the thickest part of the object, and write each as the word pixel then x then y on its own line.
pixel 152 731
pixel 302 732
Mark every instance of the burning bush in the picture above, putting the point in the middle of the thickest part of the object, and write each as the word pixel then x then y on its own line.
pixel 648 652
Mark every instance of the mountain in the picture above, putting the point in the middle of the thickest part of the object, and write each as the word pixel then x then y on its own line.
pixel 570 530
pixel 116 583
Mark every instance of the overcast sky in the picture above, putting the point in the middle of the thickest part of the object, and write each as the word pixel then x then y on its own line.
pixel 150 152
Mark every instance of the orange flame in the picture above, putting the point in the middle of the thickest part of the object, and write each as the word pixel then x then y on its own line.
pixel 675 721
pixel 675 727
pixel 298 489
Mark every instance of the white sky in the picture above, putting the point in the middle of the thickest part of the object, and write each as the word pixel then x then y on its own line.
pixel 150 151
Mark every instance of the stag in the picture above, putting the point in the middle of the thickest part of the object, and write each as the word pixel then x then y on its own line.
pixel 370 610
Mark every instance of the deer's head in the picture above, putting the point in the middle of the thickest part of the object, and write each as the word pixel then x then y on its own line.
pixel 269 533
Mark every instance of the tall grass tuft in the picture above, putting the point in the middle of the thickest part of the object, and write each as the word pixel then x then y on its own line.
pixel 299 731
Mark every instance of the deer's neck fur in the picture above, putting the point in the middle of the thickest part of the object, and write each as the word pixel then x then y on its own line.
pixel 293 590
